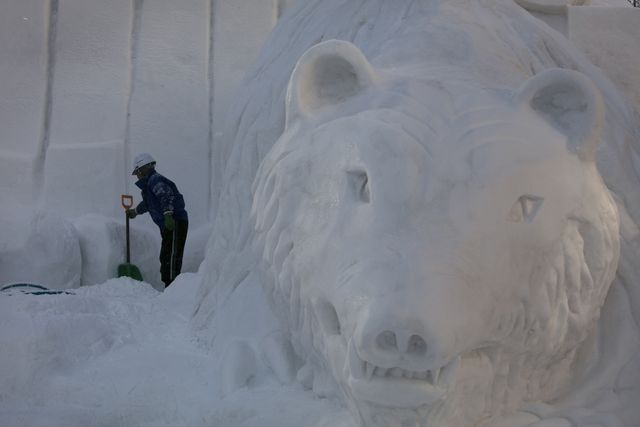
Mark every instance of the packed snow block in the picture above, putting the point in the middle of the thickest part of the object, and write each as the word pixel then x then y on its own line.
pixel 422 200
pixel 84 178
pixel 23 67
pixel 103 247
pixel 169 111
pixel 43 249
pixel 609 37
pixel 92 71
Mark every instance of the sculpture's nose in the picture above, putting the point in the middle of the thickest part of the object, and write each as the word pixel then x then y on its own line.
pixel 394 344
pixel 391 338
pixel 405 342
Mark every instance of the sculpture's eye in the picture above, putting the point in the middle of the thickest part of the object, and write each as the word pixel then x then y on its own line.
pixel 359 183
pixel 525 208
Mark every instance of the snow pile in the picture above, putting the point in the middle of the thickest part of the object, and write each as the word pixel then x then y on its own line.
pixel 110 354
pixel 120 353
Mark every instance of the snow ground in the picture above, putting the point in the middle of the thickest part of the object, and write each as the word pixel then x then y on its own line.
pixel 122 354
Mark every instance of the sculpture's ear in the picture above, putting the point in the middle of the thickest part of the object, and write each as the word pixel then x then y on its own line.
pixel 571 103
pixel 327 74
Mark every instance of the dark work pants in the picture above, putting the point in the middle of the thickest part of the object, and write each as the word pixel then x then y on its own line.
pixel 171 251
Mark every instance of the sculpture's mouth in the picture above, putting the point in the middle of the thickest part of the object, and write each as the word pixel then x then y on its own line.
pixel 396 386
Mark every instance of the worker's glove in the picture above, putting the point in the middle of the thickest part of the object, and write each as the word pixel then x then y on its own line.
pixel 169 222
pixel 131 213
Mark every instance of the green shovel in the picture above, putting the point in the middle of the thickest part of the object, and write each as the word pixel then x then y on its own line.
pixel 127 269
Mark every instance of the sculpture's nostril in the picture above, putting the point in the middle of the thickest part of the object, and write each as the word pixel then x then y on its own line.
pixel 387 341
pixel 416 345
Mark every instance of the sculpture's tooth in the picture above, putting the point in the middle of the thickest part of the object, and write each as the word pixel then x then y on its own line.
pixel 357 366
pixel 421 375
pixel 436 375
pixel 370 369
pixel 449 371
pixel 381 372
pixel 408 374
pixel 396 372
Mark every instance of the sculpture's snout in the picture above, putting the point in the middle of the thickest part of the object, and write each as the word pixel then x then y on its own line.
pixel 391 359
pixel 388 337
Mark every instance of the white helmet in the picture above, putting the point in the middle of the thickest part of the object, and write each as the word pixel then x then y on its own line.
pixel 142 160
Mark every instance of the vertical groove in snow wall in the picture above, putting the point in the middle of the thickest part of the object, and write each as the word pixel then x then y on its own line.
pixel 211 105
pixel 51 31
pixel 136 19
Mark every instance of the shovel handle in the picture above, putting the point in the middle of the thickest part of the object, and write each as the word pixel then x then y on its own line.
pixel 126 200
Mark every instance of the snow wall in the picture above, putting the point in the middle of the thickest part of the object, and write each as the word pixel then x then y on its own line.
pixel 86 85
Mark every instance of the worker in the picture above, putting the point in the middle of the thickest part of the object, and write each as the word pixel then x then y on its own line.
pixel 165 204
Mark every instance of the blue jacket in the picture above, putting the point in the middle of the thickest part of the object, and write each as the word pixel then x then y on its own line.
pixel 160 195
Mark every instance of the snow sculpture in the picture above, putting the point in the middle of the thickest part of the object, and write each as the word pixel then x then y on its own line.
pixel 425 209
pixel 373 225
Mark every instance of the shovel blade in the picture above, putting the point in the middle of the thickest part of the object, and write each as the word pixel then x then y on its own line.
pixel 129 270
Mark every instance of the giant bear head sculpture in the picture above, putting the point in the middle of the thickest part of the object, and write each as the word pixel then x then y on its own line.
pixel 439 251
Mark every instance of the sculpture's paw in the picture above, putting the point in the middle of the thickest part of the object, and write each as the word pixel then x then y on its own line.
pixel 279 356
pixel 239 366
